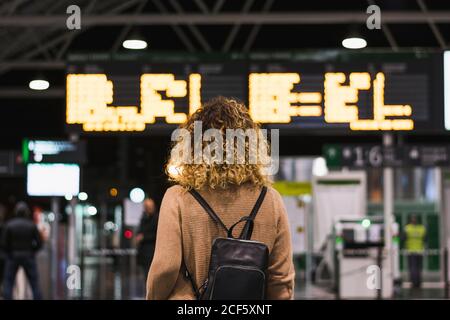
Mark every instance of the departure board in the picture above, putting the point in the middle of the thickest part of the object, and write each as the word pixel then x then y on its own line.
pixel 368 95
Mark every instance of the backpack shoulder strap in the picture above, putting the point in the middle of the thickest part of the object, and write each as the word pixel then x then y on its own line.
pixel 248 227
pixel 208 209
pixel 188 276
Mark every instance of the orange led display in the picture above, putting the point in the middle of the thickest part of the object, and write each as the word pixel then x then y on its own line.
pixel 274 97
pixel 381 111
pixel 271 100
pixel 89 99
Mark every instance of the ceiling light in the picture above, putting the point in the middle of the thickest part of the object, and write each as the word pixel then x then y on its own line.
pixel 354 43
pixel 39 84
pixel 134 44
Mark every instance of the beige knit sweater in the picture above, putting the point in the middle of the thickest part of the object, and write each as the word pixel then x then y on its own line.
pixel 185 231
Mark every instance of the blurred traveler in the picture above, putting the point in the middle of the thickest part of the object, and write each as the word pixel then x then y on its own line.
pixel 21 240
pixel 42 225
pixel 146 236
pixel 414 235
pixel 186 232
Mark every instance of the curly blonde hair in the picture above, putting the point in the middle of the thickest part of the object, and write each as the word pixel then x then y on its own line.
pixel 219 113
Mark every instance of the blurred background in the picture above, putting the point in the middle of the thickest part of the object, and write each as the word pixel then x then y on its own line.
pixel 90 92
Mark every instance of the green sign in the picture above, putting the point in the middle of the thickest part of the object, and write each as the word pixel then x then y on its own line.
pixel 25 151
pixel 333 155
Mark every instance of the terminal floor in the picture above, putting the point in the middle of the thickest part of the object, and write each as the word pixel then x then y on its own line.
pixel 118 282
pixel 318 293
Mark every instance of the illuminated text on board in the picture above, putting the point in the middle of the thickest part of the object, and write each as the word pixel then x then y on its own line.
pixel 271 100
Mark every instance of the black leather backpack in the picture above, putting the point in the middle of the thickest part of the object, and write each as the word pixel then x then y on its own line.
pixel 238 266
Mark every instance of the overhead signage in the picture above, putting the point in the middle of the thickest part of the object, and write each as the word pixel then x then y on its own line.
pixel 360 156
pixel 53 151
pixel 365 95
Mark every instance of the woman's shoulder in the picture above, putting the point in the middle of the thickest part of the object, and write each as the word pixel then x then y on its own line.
pixel 273 195
pixel 175 191
pixel 178 192
pixel 276 201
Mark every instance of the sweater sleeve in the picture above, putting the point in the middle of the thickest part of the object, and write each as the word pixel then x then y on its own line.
pixel 166 263
pixel 281 267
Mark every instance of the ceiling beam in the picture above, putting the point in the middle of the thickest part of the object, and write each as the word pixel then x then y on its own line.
pixel 194 30
pixel 33 64
pixel 177 29
pixel 256 28
pixel 127 28
pixel 434 28
pixel 235 29
pixel 217 6
pixel 299 18
pixel 57 40
pixel 72 36
pixel 387 31
pixel 25 93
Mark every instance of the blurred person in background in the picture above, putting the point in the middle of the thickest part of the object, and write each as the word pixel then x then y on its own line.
pixel 186 232
pixel 42 225
pixel 414 237
pixel 146 235
pixel 21 240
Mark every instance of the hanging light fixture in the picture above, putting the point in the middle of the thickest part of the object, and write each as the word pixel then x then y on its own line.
pixel 135 42
pixel 354 40
pixel 354 43
pixel 39 83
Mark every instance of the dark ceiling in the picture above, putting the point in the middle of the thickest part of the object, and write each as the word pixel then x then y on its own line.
pixel 28 48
